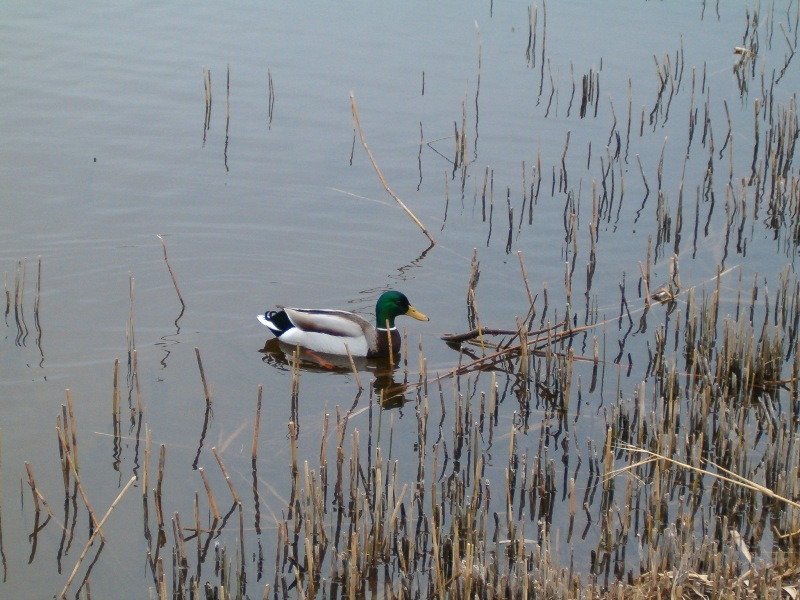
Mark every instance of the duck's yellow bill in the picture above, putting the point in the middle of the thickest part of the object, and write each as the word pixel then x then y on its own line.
pixel 415 314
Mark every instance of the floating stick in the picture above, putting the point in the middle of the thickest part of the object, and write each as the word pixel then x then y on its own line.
pixel 380 175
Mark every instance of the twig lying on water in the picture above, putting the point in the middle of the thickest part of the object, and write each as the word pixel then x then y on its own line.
pixel 476 333
pixel 380 175
pixel 538 339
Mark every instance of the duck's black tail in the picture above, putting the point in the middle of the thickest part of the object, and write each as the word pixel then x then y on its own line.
pixel 277 321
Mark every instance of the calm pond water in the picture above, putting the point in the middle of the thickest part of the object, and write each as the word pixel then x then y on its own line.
pixel 267 197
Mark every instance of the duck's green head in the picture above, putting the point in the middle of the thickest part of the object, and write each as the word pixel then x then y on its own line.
pixel 393 304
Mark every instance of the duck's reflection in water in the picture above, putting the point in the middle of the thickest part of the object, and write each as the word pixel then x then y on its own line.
pixel 390 383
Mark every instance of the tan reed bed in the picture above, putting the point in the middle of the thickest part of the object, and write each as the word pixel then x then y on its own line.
pixel 681 473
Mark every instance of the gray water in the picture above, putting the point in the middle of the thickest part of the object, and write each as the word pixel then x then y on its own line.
pixel 104 147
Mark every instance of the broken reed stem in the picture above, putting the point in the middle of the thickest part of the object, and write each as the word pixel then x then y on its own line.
pixel 207 89
pixel 131 336
pixel 8 293
pixel 227 97
pixel 74 469
pixel 353 363
pixel 162 459
pixel 146 473
pixel 477 318
pixel 115 415
pixel 212 503
pixel 19 293
pixel 525 276
pixel 646 286
pixel 198 537
pixel 293 440
pixel 169 268
pixel 32 483
pixel 380 175
pixel 136 381
pixel 94 534
pixel 225 474
pixel 38 292
pixel 202 376
pixel 162 582
pixel 39 498
pixel 180 540
pixel 72 431
pixel 389 345
pixel 256 425
pixel 271 95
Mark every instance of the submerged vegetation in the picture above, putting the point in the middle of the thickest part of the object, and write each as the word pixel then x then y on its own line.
pixel 641 446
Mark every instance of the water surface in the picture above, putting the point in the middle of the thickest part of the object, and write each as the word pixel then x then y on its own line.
pixel 104 147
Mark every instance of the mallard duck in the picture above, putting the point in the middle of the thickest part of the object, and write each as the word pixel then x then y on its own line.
pixel 335 331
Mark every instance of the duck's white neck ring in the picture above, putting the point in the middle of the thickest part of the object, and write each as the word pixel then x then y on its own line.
pixel 384 329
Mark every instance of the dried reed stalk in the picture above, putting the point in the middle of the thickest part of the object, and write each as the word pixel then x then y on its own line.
pixel 171 274
pixel 212 503
pixel 74 468
pixel 730 477
pixel 73 433
pixel 225 474
pixel 353 364
pixel 203 376
pixel 256 425
pixel 162 459
pixel 380 175
pixel 94 534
